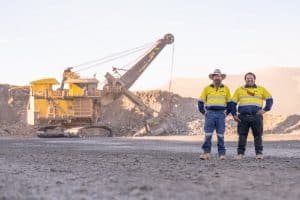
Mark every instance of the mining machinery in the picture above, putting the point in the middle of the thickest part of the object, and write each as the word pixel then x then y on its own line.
pixel 74 108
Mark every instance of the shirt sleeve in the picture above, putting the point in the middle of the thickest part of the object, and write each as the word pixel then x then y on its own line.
pixel 235 97
pixel 203 95
pixel 228 96
pixel 266 94
pixel 233 102
pixel 202 101
pixel 269 100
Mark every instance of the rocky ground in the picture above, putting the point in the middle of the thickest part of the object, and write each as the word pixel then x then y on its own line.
pixel 128 168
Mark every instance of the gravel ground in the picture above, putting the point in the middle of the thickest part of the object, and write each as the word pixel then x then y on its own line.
pixel 127 168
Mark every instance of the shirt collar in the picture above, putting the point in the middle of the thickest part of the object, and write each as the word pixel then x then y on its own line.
pixel 212 85
pixel 253 86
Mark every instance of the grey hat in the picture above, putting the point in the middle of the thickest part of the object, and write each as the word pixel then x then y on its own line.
pixel 217 71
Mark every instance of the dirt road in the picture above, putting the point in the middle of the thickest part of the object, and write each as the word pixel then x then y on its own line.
pixel 127 168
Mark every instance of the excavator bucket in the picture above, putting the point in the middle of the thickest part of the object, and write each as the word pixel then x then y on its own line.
pixel 154 127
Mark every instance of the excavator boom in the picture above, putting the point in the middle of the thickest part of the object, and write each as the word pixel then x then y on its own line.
pixel 116 87
pixel 135 71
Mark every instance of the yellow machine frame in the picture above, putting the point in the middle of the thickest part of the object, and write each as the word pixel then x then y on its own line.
pixel 75 105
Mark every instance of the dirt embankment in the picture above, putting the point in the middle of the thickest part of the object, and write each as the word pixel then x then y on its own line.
pixel 13 102
pixel 180 113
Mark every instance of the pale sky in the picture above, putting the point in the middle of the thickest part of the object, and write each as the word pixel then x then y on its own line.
pixel 40 38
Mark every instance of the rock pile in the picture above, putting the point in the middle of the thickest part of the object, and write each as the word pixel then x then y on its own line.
pixel 13 102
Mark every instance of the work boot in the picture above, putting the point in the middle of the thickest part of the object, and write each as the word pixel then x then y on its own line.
pixel 239 157
pixel 259 157
pixel 205 156
pixel 222 157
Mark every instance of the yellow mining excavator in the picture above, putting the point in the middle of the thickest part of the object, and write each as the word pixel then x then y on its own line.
pixel 74 108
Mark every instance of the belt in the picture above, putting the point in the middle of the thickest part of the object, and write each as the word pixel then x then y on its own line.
pixel 215 110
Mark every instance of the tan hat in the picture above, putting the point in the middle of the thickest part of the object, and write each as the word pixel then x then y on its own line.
pixel 217 71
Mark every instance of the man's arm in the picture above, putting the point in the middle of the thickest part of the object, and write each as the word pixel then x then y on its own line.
pixel 201 106
pixel 269 100
pixel 233 104
pixel 269 104
pixel 228 100
pixel 202 101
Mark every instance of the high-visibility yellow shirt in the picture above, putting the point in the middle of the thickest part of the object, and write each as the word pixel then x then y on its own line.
pixel 250 100
pixel 251 96
pixel 215 98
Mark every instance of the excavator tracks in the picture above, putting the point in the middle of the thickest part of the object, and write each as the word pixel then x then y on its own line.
pixel 53 131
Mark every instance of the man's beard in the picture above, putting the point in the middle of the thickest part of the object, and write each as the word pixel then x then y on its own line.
pixel 249 83
pixel 217 82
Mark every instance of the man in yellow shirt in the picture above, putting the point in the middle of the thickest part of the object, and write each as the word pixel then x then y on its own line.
pixel 213 104
pixel 250 99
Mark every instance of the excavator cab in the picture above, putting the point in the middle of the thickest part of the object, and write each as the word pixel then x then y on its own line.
pixel 38 107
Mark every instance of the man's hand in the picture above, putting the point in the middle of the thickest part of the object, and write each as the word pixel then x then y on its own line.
pixel 261 112
pixel 226 113
pixel 235 118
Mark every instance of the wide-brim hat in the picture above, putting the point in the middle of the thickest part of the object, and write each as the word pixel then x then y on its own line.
pixel 217 71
